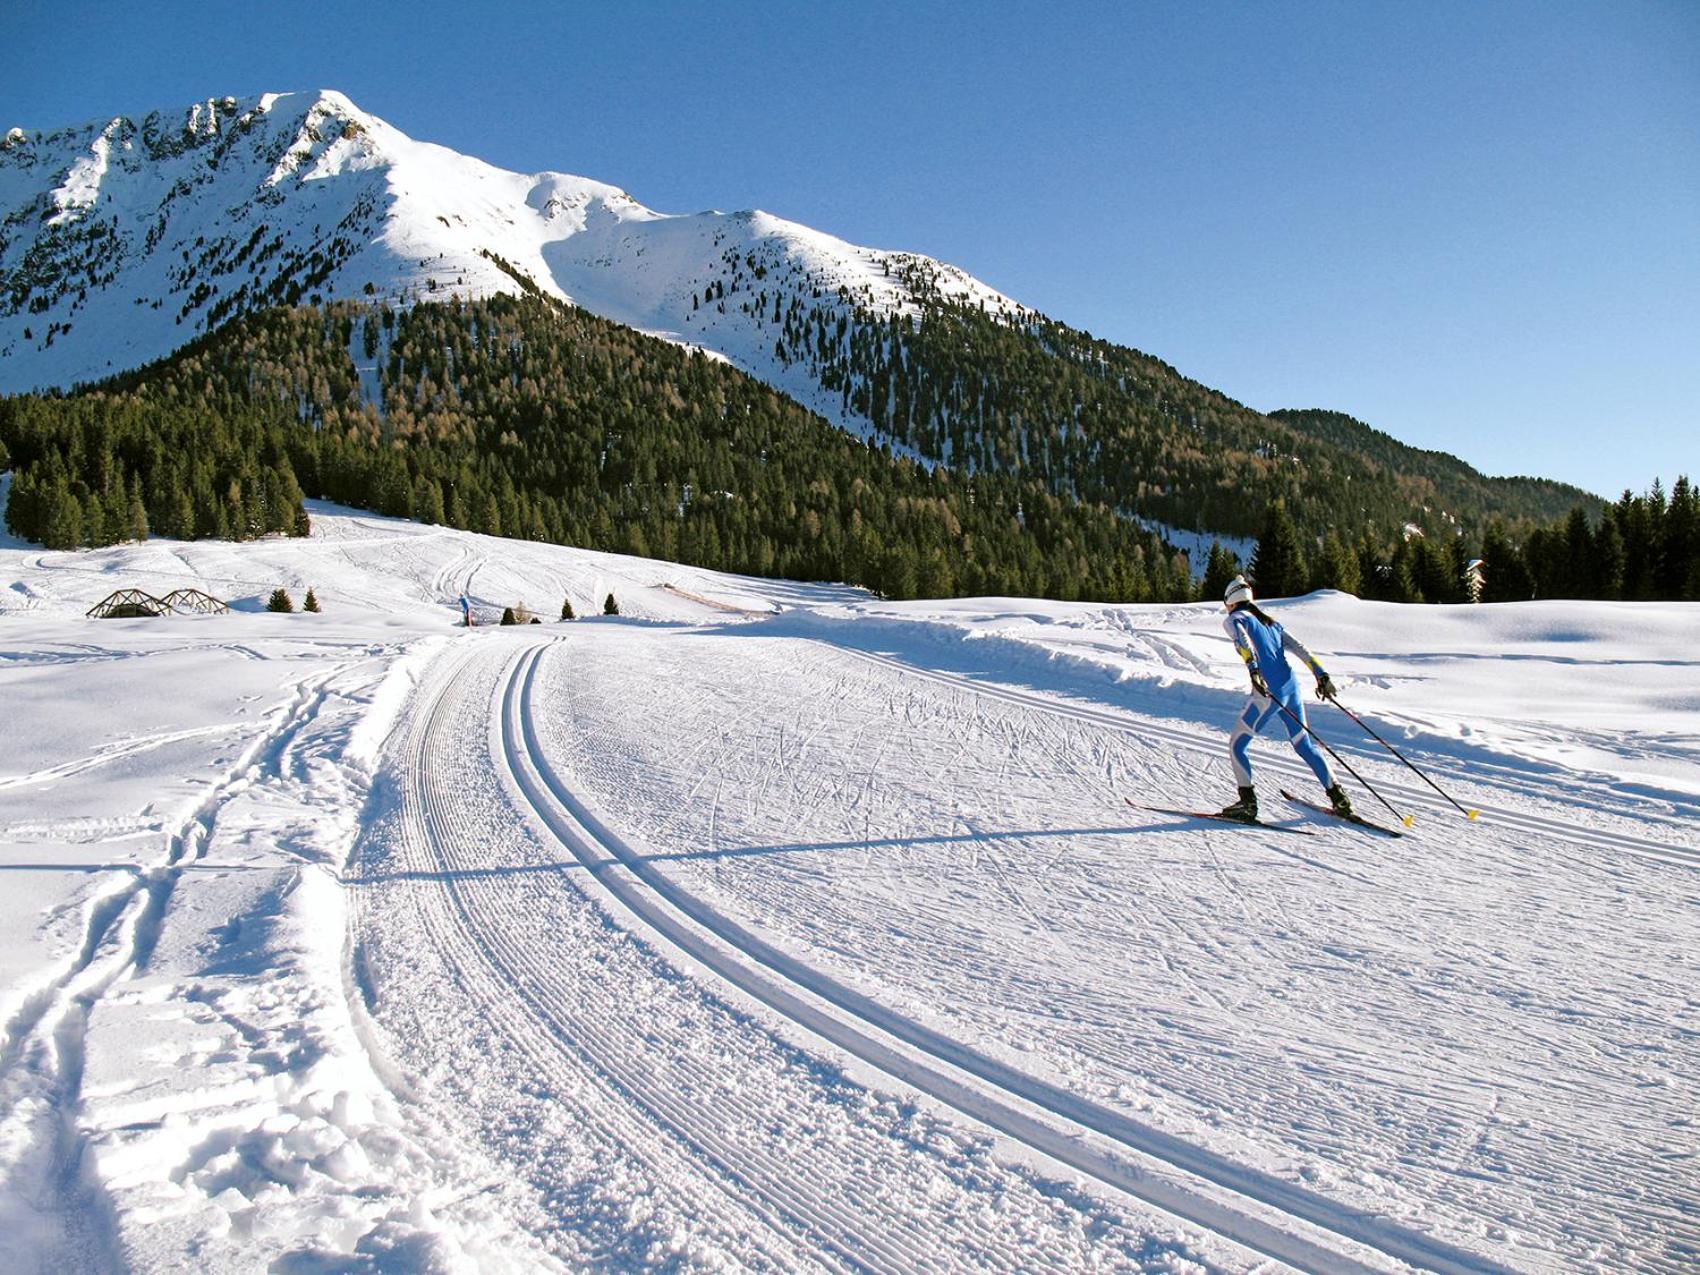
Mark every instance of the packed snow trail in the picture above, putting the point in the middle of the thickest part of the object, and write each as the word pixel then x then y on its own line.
pixel 954 854
pixel 660 903
pixel 1413 796
pixel 627 1079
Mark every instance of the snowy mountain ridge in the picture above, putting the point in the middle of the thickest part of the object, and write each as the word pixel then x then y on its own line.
pixel 122 240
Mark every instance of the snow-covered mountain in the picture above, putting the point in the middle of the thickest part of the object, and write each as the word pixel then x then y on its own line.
pixel 122 240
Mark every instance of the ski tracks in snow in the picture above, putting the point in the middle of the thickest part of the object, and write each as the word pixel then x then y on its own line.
pixel 678 1126
pixel 1327 1034
pixel 195 1091
pixel 43 1048
pixel 777 1157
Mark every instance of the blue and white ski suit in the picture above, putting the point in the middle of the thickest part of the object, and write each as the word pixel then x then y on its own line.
pixel 1264 648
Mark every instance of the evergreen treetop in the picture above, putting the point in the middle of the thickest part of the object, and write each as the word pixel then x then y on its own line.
pixel 1278 565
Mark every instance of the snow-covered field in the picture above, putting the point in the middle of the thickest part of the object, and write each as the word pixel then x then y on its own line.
pixel 771 927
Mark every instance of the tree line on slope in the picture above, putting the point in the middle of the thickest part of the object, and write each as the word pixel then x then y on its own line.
pixel 520 417
pixel 517 416
pixel 97 470
pixel 1019 393
pixel 1641 548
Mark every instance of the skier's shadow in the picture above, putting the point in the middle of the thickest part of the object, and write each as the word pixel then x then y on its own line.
pixel 886 843
pixel 495 871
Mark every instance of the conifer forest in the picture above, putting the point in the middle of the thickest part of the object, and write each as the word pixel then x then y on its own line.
pixel 1010 456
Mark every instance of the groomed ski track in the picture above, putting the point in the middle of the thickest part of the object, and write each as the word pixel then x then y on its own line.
pixel 486 873
pixel 1240 1204
pixel 573 1036
pixel 523 1001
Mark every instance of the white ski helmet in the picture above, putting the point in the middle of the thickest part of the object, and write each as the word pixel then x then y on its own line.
pixel 1239 590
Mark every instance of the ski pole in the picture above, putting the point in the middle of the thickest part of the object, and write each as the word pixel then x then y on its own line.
pixel 1407 820
pixel 1468 814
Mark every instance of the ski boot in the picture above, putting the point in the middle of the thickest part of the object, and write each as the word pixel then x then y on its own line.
pixel 1342 803
pixel 1245 809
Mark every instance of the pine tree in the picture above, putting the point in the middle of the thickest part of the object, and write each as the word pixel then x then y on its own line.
pixel 428 501
pixel 1402 575
pixel 567 609
pixel 1640 546
pixel 508 616
pixel 934 576
pixel 1575 576
pixel 62 518
pixel 1608 559
pixel 1679 557
pixel 610 607
pixel 1337 567
pixel 1461 581
pixel 279 601
pixel 310 602
pixel 94 522
pixel 1220 568
pixel 181 524
pixel 1277 565
pixel 1504 576
pixel 1373 571
pixel 138 513
pixel 897 575
pixel 1546 558
pixel 1431 571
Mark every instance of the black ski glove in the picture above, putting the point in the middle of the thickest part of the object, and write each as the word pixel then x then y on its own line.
pixel 1258 685
pixel 1324 686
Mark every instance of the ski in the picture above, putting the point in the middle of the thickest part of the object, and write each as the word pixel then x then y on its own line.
pixel 1218 817
pixel 1359 820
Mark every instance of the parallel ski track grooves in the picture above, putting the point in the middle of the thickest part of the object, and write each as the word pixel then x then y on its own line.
pixel 848 1228
pixel 591 1041
pixel 1414 796
pixel 695 926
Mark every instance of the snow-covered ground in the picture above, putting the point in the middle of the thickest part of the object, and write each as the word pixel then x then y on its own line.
pixel 768 926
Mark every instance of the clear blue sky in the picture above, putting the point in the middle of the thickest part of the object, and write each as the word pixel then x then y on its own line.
pixel 1473 225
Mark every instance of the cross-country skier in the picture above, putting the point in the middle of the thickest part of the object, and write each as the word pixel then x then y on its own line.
pixel 1263 645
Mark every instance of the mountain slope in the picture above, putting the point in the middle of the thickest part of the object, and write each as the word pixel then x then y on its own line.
pixel 527 417
pixel 121 241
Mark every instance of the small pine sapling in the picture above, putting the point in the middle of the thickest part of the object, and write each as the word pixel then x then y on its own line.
pixel 610 607
pixel 567 609
pixel 508 616
pixel 279 601
pixel 310 602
